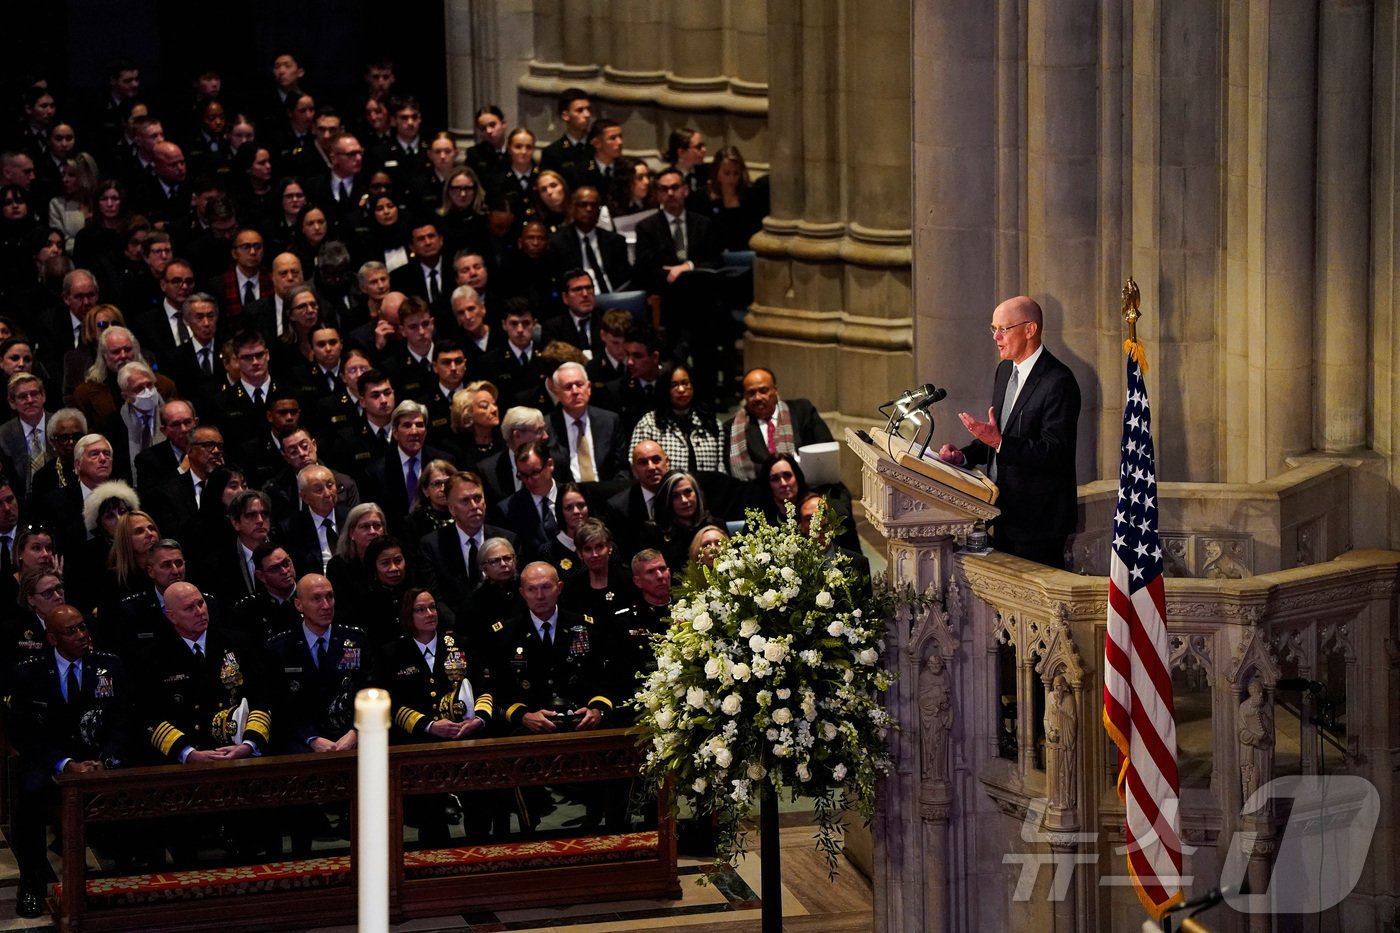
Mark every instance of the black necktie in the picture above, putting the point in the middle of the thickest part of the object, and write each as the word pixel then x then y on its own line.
pixel 544 636
pixel 551 527
pixel 7 562
pixel 321 653
pixel 72 688
pixel 258 396
pixel 182 332
pixel 473 571
pixel 329 526
pixel 432 286
pixel 198 655
pixel 250 293
pixel 593 263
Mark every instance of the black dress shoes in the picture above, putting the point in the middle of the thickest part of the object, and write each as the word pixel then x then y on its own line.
pixel 29 903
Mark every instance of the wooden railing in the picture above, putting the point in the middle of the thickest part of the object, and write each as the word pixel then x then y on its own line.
pixel 143 794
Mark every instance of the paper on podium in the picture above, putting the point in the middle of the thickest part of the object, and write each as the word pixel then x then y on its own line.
pixel 972 483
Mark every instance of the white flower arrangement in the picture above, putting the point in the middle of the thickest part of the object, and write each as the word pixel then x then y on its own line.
pixel 770 671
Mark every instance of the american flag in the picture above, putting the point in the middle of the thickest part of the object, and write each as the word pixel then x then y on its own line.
pixel 1137 689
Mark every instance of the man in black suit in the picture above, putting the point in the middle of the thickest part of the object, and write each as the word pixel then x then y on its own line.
pixel 310 535
pixel 520 425
pixel 427 276
pixel 268 609
pixel 1027 443
pixel 160 462
pixel 768 425
pixel 301 450
pixel 164 197
pixel 23 439
pixel 581 322
pixel 474 335
pixel 162 329
pixel 266 314
pixel 639 390
pixel 671 245
pixel 387 479
pixel 228 570
pixel 68 714
pixel 634 506
pixel 340 189
pixel 448 562
pixel 572 148
pixel 58 329
pixel 586 438
pixel 175 503
pixel 194 364
pixel 531 510
pixel 584 245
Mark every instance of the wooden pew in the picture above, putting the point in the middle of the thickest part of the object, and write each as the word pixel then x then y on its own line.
pixel 320 891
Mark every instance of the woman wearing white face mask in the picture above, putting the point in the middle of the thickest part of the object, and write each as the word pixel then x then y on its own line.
pixel 139 418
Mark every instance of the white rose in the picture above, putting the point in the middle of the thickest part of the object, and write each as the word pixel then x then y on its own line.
pixel 767 600
pixel 784 693
pixel 664 718
pixel 702 622
pixel 723 757
pixel 828 731
pixel 748 627
pixel 835 628
pixel 712 668
pixel 700 785
pixel 824 600
pixel 782 715
pixel 868 656
pixel 788 573
pixel 756 771
pixel 774 651
pixel 756 644
pixel 695 696
pixel 803 772
pixel 731 704
pixel 839 772
pixel 740 671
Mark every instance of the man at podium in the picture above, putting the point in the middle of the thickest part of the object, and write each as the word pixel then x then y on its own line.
pixel 1027 443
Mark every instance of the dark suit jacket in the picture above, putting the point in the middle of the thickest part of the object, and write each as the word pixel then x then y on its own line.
pixel 656 247
pixel 517 383
pixel 155 465
pixel 302 543
pixel 1035 467
pixel 605 430
pixel 224 287
pixel 565 252
pixel 499 479
pixel 384 484
pixel 410 280
pixel 443 569
pixel 173 506
pixel 562 327
pixel 807 428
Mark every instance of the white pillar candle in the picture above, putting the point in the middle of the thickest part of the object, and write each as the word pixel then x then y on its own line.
pixel 372 809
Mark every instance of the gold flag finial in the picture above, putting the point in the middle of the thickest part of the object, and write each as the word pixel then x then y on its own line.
pixel 1132 299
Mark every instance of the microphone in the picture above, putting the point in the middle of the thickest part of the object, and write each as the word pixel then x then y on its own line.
pixel 919 397
pixel 937 395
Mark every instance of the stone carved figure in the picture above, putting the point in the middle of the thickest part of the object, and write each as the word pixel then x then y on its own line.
pixel 1255 728
pixel 935 717
pixel 1174 558
pixel 1061 740
pixel 1222 566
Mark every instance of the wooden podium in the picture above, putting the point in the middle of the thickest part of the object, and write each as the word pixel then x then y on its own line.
pixel 922 518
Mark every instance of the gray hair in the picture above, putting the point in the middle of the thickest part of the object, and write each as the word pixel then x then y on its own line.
pixel 97 372
pixel 86 441
pixel 465 292
pixel 563 366
pixel 66 414
pixel 518 419
pixel 301 474
pixel 406 408
pixel 367 268
pixel 130 371
pixel 197 298
pixel 353 518
pixel 491 545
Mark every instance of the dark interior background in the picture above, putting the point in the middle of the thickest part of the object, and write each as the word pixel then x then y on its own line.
pixel 71 42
